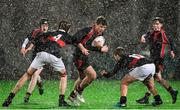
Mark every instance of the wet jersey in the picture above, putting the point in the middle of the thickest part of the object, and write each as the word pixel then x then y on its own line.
pixel 158 41
pixel 129 61
pixel 35 33
pixel 85 36
pixel 51 42
pixel 31 36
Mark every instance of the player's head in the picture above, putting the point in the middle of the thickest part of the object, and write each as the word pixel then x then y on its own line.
pixel 100 24
pixel 64 25
pixel 118 52
pixel 157 23
pixel 44 24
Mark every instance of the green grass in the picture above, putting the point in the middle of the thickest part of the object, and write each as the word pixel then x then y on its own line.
pixel 102 94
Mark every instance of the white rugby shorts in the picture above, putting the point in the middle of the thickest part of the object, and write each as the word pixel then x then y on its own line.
pixel 43 57
pixel 142 72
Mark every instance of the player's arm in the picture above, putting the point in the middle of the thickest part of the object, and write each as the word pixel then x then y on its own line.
pixel 26 41
pixel 23 47
pixel 79 37
pixel 171 43
pixel 144 37
pixel 110 74
pixel 29 48
pixel 83 49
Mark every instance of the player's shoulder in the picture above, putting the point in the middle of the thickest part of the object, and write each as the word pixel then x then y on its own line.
pixel 86 29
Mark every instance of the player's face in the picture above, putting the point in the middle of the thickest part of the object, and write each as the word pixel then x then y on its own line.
pixel 99 28
pixel 44 27
pixel 157 25
pixel 116 57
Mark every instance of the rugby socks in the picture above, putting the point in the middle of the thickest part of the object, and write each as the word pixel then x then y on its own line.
pixel 11 95
pixel 157 98
pixel 123 100
pixel 147 95
pixel 79 89
pixel 8 100
pixel 61 97
pixel 62 102
pixel 170 90
pixel 28 94
pixel 73 94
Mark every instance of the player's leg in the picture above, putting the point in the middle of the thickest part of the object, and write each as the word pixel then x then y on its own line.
pixel 80 93
pixel 40 84
pixel 165 84
pixel 59 66
pixel 62 89
pixel 18 86
pixel 73 97
pixel 149 82
pixel 39 81
pixel 145 99
pixel 32 85
pixel 126 80
pixel 90 75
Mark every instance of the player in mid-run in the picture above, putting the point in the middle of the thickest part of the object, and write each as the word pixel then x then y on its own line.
pixel 159 42
pixel 141 69
pixel 87 73
pixel 49 45
pixel 30 37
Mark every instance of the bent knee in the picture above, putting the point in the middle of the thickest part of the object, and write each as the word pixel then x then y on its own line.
pixel 29 73
pixel 63 74
pixel 124 82
pixel 93 76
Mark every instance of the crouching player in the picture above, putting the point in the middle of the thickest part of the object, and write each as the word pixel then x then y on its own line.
pixel 141 69
pixel 48 46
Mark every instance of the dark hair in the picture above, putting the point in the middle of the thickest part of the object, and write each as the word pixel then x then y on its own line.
pixel 101 20
pixel 161 20
pixel 119 51
pixel 43 21
pixel 64 25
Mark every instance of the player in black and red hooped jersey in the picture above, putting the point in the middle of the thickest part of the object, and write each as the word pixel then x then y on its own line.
pixel 30 37
pixel 159 42
pixel 48 52
pixel 87 73
pixel 140 68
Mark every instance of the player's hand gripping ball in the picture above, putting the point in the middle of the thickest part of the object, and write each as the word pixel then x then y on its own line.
pixel 98 41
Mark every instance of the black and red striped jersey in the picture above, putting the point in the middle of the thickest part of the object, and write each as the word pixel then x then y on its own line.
pixel 129 61
pixel 86 37
pixel 35 33
pixel 51 42
pixel 158 41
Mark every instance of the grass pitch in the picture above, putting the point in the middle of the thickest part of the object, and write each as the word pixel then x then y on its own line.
pixel 102 94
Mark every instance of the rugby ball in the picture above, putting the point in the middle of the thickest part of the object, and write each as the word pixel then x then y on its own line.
pixel 98 41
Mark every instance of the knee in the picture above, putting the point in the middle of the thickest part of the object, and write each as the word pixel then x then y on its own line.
pixel 93 76
pixel 159 80
pixel 29 73
pixel 150 86
pixel 64 74
pixel 124 82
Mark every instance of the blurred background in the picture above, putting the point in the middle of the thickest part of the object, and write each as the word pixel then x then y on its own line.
pixel 127 21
